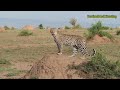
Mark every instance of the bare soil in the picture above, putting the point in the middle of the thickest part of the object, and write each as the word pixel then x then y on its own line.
pixel 100 40
pixel 54 67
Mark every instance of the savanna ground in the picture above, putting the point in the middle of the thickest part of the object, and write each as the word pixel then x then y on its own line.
pixel 19 53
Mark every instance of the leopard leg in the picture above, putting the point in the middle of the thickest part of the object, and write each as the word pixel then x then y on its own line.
pixel 60 49
pixel 75 50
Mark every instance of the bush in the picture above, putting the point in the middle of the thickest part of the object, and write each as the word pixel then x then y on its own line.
pixel 6 27
pixel 99 68
pixel 105 28
pixel 118 32
pixel 66 27
pixel 89 35
pixel 41 26
pixel 101 33
pixel 98 26
pixel 96 29
pixel 25 33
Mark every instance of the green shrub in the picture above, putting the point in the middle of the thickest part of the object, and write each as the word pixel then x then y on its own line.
pixel 118 32
pixel 99 26
pixel 6 27
pixel 105 28
pixel 101 33
pixel 89 35
pixel 99 68
pixel 41 26
pixel 25 33
pixel 66 27
pixel 96 29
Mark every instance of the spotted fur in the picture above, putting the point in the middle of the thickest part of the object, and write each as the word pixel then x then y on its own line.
pixel 78 43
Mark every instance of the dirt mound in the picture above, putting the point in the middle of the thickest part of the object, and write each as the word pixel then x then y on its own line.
pixel 28 27
pixel 2 29
pixel 53 67
pixel 98 39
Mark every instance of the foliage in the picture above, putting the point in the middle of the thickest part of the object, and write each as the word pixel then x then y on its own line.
pixel 97 29
pixel 25 33
pixel 99 68
pixel 118 32
pixel 66 27
pixel 41 26
pixel 6 27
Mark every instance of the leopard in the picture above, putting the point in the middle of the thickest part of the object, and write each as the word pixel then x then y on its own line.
pixel 77 42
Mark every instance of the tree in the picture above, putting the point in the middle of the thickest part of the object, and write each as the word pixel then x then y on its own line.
pixel 6 27
pixel 73 21
pixel 41 26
